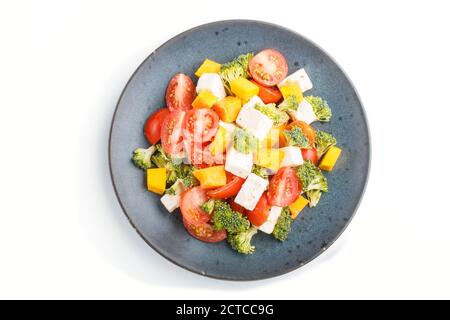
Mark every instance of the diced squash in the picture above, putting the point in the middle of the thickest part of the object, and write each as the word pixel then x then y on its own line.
pixel 269 158
pixel 156 180
pixel 212 177
pixel 292 89
pixel 205 99
pixel 228 108
pixel 219 143
pixel 330 158
pixel 244 89
pixel 208 66
pixel 297 206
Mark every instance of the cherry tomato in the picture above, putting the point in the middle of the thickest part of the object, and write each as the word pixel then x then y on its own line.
pixel 269 67
pixel 201 125
pixel 190 205
pixel 200 156
pixel 311 155
pixel 234 184
pixel 205 232
pixel 307 130
pixel 172 132
pixel 268 94
pixel 260 214
pixel 152 128
pixel 180 92
pixel 237 207
pixel 284 188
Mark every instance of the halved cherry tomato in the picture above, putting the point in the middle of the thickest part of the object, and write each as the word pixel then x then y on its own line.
pixel 260 214
pixel 201 125
pixel 311 155
pixel 269 67
pixel 190 205
pixel 307 130
pixel 152 128
pixel 237 207
pixel 268 94
pixel 284 188
pixel 234 184
pixel 205 232
pixel 180 92
pixel 172 132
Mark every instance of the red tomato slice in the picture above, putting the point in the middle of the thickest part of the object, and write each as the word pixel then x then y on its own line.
pixel 201 125
pixel 307 130
pixel 172 132
pixel 269 67
pixel 190 203
pixel 205 232
pixel 237 207
pixel 268 94
pixel 152 128
pixel 180 92
pixel 260 214
pixel 232 188
pixel 311 155
pixel 284 188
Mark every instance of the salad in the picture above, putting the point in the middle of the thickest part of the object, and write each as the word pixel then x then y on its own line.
pixel 236 152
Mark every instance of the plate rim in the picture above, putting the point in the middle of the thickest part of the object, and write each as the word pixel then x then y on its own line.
pixel 228 278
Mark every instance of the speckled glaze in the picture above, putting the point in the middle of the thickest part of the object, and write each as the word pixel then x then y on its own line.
pixel 316 229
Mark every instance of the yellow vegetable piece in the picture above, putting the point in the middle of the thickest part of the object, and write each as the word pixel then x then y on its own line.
pixel 292 89
pixel 156 180
pixel 219 143
pixel 205 99
pixel 228 108
pixel 273 137
pixel 244 89
pixel 330 158
pixel 212 177
pixel 208 66
pixel 297 206
pixel 269 158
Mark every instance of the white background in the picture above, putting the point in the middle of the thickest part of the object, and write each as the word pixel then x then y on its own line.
pixel 63 65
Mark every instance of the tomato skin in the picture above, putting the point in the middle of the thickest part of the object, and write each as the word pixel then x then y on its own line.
pixel 205 232
pixel 152 128
pixel 307 130
pixel 190 203
pixel 260 214
pixel 268 94
pixel 237 207
pixel 311 155
pixel 201 125
pixel 172 132
pixel 231 189
pixel 180 92
pixel 268 67
pixel 284 187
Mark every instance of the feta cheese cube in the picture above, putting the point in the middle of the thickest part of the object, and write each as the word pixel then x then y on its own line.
pixel 256 122
pixel 171 202
pixel 292 156
pixel 251 191
pixel 212 83
pixel 239 164
pixel 305 112
pixel 301 77
pixel 271 222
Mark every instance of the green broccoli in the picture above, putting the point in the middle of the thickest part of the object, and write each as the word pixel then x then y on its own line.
pixel 324 141
pixel 320 107
pixel 260 171
pixel 290 103
pixel 283 226
pixel 185 172
pixel 296 137
pixel 313 182
pixel 142 157
pixel 313 197
pixel 241 242
pixel 177 188
pixel 271 111
pixel 244 141
pixel 208 206
pixel 234 69
pixel 224 218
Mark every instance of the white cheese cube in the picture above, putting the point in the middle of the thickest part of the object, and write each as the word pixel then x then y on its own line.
pixel 212 83
pixel 271 222
pixel 292 156
pixel 170 202
pixel 256 122
pixel 301 77
pixel 305 112
pixel 239 164
pixel 251 191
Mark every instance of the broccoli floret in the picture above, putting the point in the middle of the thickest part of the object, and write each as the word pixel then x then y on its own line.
pixel 244 141
pixel 271 111
pixel 224 218
pixel 241 242
pixel 208 206
pixel 324 141
pixel 283 226
pixel 260 171
pixel 142 157
pixel 313 197
pixel 320 108
pixel 234 69
pixel 177 188
pixel 290 103
pixel 185 172
pixel 313 182
pixel 296 137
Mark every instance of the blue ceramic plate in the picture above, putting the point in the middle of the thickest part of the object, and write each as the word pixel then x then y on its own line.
pixel 316 229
